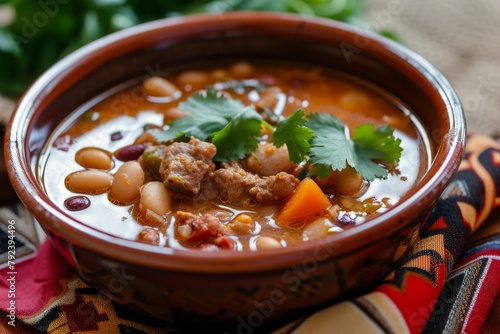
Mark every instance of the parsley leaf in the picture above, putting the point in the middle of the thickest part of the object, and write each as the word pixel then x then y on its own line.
pixel 331 149
pixel 293 132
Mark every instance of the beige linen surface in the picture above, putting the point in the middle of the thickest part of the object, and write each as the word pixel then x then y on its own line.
pixel 462 39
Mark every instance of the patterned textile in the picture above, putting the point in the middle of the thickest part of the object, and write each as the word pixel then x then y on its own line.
pixel 434 290
pixel 448 283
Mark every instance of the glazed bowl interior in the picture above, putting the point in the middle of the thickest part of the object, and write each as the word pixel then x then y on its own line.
pixel 181 42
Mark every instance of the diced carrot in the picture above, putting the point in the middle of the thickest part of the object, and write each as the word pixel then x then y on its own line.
pixel 307 200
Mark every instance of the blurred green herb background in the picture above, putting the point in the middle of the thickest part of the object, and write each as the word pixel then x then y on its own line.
pixel 43 31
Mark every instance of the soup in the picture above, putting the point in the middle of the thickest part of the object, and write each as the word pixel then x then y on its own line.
pixel 232 157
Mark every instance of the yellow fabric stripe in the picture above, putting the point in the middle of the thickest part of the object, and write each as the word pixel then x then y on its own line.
pixel 347 318
pixel 341 318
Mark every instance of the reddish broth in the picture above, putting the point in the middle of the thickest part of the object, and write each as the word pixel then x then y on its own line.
pixel 118 119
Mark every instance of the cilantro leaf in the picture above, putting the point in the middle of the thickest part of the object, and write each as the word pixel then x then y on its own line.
pixel 331 149
pixel 323 123
pixel 190 125
pixel 239 137
pixel 213 103
pixel 235 129
pixel 232 127
pixel 369 140
pixel 293 132
pixel 375 144
pixel 209 113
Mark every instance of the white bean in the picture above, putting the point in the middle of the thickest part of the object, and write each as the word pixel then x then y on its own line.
pixel 267 243
pixel 242 69
pixel 155 197
pixel 193 78
pixel 268 98
pixel 348 182
pixel 219 74
pixel 89 182
pixel 91 157
pixel 355 100
pixel 160 87
pixel 242 224
pixel 184 230
pixel 126 183
pixel 268 160
pixel 316 229
pixel 173 113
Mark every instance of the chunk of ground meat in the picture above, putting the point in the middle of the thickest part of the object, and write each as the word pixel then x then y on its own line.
pixel 209 190
pixel 149 236
pixel 233 182
pixel 237 185
pixel 185 165
pixel 197 228
pixel 274 188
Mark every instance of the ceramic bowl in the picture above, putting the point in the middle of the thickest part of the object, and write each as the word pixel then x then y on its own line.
pixel 231 288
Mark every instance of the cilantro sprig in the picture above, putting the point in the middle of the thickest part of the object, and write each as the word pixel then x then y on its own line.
pixel 293 132
pixel 232 127
pixel 331 149
pixel 320 138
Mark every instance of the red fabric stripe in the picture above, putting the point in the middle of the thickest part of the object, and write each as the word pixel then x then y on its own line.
pixel 418 298
pixel 36 281
pixel 485 296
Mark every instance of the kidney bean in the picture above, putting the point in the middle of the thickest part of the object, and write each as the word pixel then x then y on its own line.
pixel 131 152
pixel 77 203
pixel 116 136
